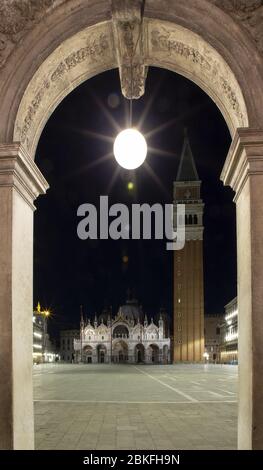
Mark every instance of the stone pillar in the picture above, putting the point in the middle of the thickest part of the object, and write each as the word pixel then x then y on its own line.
pixel 131 355
pixel 20 183
pixel 160 355
pixel 243 171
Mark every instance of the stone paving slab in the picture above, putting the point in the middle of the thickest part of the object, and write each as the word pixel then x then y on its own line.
pixel 89 407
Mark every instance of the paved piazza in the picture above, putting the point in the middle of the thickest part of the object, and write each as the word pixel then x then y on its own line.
pixel 101 406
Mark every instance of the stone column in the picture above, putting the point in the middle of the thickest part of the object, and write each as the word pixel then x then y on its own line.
pixel 243 171
pixel 20 183
pixel 131 354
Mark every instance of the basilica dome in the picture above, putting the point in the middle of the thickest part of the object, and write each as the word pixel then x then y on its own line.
pixel 131 311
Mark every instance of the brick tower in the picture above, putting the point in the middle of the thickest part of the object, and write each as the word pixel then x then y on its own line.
pixel 188 265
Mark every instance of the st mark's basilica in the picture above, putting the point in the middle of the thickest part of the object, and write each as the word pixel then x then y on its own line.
pixel 127 337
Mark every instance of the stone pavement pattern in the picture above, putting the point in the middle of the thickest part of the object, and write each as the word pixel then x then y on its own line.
pixel 135 407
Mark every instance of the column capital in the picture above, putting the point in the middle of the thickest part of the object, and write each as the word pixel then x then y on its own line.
pixel 245 158
pixel 19 171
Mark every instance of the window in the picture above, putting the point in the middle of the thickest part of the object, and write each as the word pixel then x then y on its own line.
pixel 102 337
pixel 218 331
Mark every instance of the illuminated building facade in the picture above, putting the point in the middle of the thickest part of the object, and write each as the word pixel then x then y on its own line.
pixel 229 334
pixel 43 349
pixel 125 338
pixel 212 338
pixel 67 352
pixel 38 337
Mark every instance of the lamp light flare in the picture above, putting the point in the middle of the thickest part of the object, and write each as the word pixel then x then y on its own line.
pixel 130 186
pixel 130 149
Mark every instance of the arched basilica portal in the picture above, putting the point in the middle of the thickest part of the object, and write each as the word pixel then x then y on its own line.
pixel 49 47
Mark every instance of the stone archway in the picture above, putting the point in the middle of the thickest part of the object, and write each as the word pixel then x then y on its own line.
pixel 120 331
pixel 139 353
pixel 153 353
pixel 87 354
pixel 170 47
pixel 101 353
pixel 120 351
pixel 42 61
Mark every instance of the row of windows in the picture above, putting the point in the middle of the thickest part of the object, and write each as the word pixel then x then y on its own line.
pixel 67 342
pixel 191 219
pixel 217 330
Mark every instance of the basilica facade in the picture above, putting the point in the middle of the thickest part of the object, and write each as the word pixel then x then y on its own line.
pixel 126 338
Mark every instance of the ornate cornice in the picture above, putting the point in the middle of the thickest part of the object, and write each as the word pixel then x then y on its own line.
pixel 18 171
pixel 244 159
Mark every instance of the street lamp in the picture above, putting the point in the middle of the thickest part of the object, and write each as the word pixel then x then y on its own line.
pixel 130 149
pixel 46 314
pixel 206 356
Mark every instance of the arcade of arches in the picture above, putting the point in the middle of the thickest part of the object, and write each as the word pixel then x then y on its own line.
pixel 120 353
pixel 216 44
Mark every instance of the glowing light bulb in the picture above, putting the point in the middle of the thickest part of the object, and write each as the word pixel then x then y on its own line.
pixel 130 186
pixel 130 149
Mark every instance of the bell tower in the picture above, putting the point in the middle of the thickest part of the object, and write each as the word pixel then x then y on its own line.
pixel 188 264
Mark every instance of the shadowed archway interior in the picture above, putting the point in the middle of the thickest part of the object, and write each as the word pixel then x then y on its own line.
pixel 75 155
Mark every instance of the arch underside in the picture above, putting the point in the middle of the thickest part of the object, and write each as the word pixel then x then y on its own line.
pixel 90 52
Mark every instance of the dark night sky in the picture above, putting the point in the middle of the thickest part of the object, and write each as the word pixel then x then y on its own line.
pixel 69 272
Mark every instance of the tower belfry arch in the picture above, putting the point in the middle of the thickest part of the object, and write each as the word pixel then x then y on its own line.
pixel 211 43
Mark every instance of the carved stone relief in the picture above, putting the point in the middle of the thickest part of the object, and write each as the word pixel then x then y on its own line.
pixel 196 58
pixel 72 60
pixel 127 18
pixel 18 17
pixel 91 51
